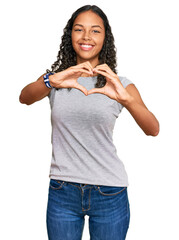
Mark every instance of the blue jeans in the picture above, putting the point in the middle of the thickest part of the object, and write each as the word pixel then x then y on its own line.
pixel 68 203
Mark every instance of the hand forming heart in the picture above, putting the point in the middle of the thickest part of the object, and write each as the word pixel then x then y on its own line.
pixel 113 87
pixel 68 79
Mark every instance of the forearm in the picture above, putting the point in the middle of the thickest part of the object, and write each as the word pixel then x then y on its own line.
pixel 33 92
pixel 144 118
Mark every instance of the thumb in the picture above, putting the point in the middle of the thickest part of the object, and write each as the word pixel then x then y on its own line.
pixel 95 90
pixel 82 89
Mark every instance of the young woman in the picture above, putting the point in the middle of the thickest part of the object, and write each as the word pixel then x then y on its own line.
pixel 86 96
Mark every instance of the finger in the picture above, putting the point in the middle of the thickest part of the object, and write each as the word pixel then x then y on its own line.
pixel 102 66
pixel 86 65
pixel 82 70
pixel 89 64
pixel 81 88
pixel 96 90
pixel 102 72
pixel 106 68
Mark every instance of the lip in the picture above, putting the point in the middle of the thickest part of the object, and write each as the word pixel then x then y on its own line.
pixel 86 47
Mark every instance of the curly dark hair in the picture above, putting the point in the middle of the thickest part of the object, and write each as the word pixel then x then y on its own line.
pixel 67 56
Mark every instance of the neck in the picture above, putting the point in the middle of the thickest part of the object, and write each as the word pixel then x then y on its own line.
pixel 93 61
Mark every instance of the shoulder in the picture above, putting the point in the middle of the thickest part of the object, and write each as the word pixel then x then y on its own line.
pixel 125 81
pixel 131 89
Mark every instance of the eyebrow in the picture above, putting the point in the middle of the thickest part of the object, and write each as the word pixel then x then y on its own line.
pixel 91 26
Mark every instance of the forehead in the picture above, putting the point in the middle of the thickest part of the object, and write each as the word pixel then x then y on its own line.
pixel 89 18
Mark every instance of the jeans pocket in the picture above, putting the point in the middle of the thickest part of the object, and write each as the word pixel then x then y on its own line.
pixel 110 190
pixel 56 184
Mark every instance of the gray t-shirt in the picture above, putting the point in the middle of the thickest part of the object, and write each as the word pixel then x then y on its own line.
pixel 82 136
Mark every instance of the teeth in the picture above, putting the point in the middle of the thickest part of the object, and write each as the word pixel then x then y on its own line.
pixel 87 46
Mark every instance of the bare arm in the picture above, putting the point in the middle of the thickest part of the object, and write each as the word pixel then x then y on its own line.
pixel 129 97
pixel 144 118
pixel 34 91
pixel 65 79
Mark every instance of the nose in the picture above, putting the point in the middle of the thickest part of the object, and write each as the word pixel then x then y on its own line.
pixel 86 36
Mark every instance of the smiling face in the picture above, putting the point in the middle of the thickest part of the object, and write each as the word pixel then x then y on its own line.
pixel 88 35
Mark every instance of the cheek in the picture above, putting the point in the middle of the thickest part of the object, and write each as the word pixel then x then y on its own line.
pixel 100 43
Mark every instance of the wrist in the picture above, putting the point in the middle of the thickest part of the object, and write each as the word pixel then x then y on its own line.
pixel 46 79
pixel 51 80
pixel 127 101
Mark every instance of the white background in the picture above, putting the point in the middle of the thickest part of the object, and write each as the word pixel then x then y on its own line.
pixel 146 37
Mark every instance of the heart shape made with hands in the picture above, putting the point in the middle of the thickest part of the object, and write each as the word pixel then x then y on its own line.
pixel 113 87
pixel 112 82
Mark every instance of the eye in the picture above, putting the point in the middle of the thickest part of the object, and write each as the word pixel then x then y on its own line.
pixel 78 30
pixel 96 31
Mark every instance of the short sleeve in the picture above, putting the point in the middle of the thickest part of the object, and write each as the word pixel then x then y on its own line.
pixel 51 96
pixel 125 81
